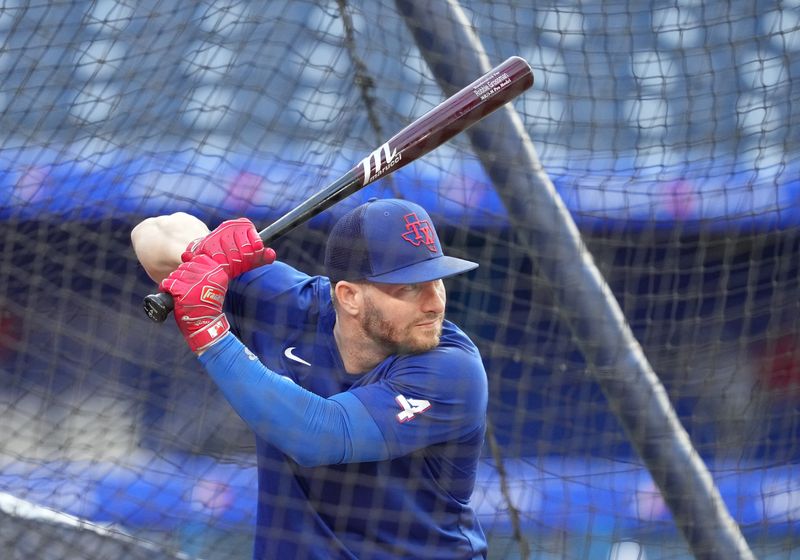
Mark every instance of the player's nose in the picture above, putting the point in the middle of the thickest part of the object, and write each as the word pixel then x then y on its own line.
pixel 433 297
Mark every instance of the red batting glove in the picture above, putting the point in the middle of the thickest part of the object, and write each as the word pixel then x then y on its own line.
pixel 198 288
pixel 235 244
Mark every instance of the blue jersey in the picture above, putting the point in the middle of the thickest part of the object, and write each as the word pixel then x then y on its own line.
pixel 430 413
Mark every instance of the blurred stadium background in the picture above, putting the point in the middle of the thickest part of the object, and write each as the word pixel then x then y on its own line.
pixel 669 128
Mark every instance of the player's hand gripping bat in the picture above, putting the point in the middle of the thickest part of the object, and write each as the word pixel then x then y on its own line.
pixel 452 116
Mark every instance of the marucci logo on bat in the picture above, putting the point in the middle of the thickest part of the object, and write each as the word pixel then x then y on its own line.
pixel 384 159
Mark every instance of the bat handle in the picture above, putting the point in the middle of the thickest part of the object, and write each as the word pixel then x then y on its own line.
pixel 158 306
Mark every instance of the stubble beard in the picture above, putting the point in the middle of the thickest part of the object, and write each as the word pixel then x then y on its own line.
pixel 394 340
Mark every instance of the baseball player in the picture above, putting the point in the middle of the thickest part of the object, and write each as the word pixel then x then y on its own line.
pixel 367 405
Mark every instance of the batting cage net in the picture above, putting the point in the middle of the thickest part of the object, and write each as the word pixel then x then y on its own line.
pixel 635 216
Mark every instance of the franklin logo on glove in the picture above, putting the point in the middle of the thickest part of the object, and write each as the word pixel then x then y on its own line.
pixel 212 295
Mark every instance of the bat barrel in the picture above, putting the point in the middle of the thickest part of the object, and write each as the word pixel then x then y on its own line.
pixel 451 117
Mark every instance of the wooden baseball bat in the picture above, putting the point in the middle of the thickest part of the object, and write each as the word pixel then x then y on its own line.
pixel 452 116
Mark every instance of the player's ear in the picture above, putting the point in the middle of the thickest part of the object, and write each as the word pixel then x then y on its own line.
pixel 349 297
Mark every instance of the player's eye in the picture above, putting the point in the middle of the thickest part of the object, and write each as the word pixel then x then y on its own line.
pixel 406 289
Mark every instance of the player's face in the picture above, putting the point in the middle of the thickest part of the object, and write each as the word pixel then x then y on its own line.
pixel 404 318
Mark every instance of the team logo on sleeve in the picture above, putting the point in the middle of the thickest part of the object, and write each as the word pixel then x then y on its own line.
pixel 411 407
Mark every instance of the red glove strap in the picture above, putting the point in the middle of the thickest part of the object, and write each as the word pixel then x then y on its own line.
pixel 202 339
pixel 198 288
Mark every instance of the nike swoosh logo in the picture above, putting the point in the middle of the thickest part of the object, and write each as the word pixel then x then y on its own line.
pixel 289 353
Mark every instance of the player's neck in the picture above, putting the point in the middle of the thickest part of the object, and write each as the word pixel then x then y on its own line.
pixel 358 354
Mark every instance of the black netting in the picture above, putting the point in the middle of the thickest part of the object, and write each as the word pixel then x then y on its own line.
pixel 669 131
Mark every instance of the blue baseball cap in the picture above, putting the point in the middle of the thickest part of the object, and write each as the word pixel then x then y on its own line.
pixel 391 241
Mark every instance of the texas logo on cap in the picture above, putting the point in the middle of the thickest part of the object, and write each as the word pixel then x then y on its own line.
pixel 419 232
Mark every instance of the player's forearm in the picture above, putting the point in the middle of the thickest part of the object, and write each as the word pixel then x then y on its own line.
pixel 158 242
pixel 310 429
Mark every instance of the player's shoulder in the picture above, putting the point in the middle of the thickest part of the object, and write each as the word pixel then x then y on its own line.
pixel 278 278
pixel 454 346
pixel 452 373
pixel 278 272
pixel 455 356
pixel 278 292
pixel 454 337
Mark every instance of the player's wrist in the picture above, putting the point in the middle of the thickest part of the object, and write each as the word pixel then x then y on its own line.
pixel 202 339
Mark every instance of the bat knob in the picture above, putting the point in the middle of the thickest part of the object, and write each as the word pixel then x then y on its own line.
pixel 158 306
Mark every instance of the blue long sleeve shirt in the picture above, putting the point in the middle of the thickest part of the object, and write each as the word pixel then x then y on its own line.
pixel 379 465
